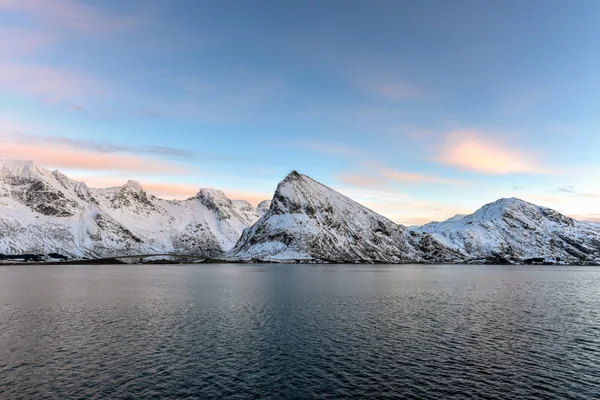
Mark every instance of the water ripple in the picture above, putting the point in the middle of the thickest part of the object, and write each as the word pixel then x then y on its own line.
pixel 299 332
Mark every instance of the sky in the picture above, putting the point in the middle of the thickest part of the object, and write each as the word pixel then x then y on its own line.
pixel 417 109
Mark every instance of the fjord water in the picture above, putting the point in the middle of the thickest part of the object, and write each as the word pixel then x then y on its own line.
pixel 299 331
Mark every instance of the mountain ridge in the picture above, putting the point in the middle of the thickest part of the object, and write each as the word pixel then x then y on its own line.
pixel 44 211
pixel 47 212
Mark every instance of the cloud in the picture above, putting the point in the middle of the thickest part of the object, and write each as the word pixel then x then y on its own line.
pixel 475 151
pixel 66 157
pixel 17 43
pixel 402 176
pixel 400 207
pixel 360 180
pixel 571 190
pixel 60 152
pixel 586 217
pixel 18 136
pixel 53 85
pixel 69 14
pixel 568 189
pixel 374 174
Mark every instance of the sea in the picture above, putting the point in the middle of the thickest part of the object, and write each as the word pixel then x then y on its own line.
pixel 277 331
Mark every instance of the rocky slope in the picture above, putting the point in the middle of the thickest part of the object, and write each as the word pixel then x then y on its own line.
pixel 46 212
pixel 518 231
pixel 310 222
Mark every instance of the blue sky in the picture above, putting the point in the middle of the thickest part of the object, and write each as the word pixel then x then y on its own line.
pixel 419 110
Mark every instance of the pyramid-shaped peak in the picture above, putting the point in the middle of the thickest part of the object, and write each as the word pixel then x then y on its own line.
pixel 293 174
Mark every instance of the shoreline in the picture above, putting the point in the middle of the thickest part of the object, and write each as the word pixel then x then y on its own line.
pixel 118 261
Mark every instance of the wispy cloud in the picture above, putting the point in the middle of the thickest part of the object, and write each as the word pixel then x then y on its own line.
pixel 65 157
pixel 19 43
pixel 231 95
pixel 399 207
pixel 567 189
pixel 69 14
pixel 360 180
pixel 373 174
pixel 97 146
pixel 60 152
pixel 478 152
pixel 571 191
pixel 586 217
pixel 51 84
pixel 403 176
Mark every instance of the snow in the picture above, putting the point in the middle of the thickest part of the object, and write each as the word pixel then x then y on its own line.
pixel 310 221
pixel 43 212
pixel 517 230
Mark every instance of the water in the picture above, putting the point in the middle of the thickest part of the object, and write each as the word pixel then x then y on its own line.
pixel 281 331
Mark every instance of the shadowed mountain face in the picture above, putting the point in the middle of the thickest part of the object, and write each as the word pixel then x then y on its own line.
pixel 46 212
pixel 311 222
pixel 516 230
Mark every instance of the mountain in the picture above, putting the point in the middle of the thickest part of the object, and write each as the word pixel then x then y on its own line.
pixel 518 231
pixel 47 212
pixel 310 222
pixel 43 212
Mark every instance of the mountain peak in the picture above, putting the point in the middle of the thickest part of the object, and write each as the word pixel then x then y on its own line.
pixel 293 177
pixel 310 221
pixel 263 207
pixel 133 186
pixel 21 169
pixel 503 207
pixel 215 200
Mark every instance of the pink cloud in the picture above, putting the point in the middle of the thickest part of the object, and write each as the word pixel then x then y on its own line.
pixel 586 217
pixel 18 43
pixel 66 157
pixel 475 151
pixel 402 176
pixel 379 174
pixel 360 180
pixel 50 83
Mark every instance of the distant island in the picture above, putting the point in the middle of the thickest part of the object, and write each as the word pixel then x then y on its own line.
pixel 47 217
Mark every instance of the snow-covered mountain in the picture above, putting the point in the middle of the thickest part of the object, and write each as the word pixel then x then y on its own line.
pixel 515 230
pixel 46 212
pixel 308 221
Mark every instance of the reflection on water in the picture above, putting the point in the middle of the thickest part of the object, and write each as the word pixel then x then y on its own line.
pixel 284 331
